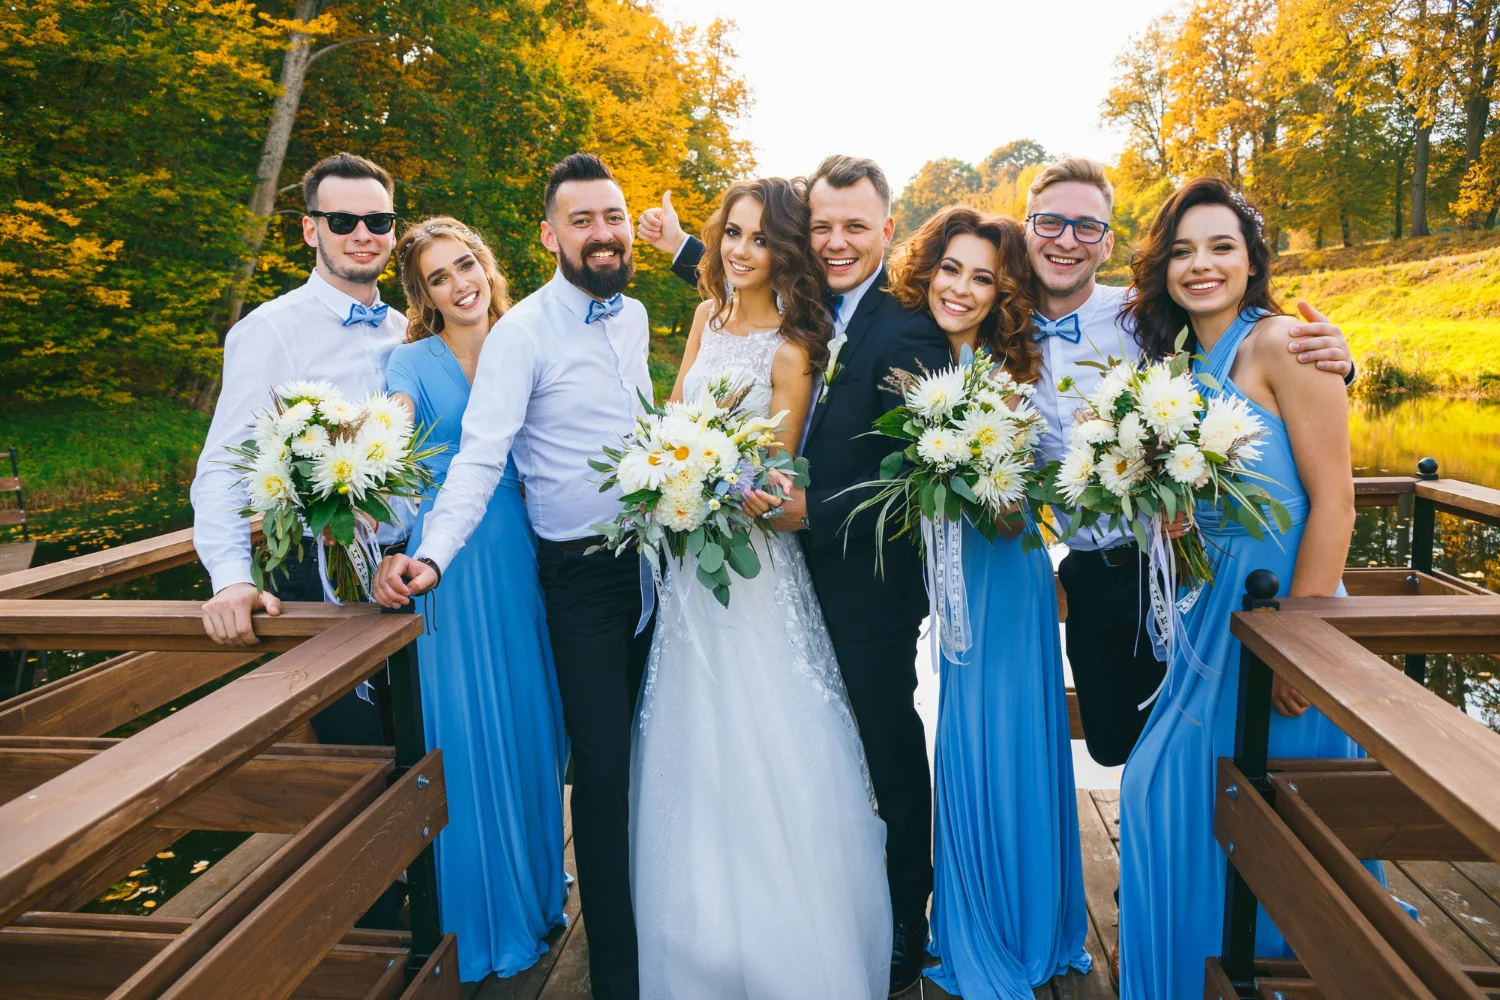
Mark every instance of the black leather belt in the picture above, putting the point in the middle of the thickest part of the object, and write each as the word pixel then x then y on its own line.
pixel 1114 557
pixel 573 544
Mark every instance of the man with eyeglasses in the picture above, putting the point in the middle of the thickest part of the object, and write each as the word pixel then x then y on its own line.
pixel 1068 238
pixel 332 328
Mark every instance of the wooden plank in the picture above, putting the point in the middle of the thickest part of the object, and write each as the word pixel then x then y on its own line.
pixel 98 570
pixel 78 815
pixel 1484 874
pixel 43 963
pixel 1447 758
pixel 1429 961
pixel 10 484
pixel 1376 816
pixel 1288 989
pixel 569 979
pixel 1382 491
pixel 85 884
pixel 1107 801
pixel 1460 899
pixel 1459 583
pixel 1386 581
pixel 16 556
pixel 363 937
pixel 1101 874
pixel 232 907
pixel 390 984
pixel 278 749
pixel 155 625
pixel 12 516
pixel 1487 976
pixel 1462 623
pixel 1342 950
pixel 128 687
pixel 270 951
pixel 438 977
pixel 1216 984
pixel 267 794
pixel 1095 984
pixel 1475 503
pixel 1434 922
pixel 222 876
pixel 1337 765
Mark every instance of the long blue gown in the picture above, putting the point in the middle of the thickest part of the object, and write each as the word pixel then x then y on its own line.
pixel 490 703
pixel 1172 870
pixel 1007 906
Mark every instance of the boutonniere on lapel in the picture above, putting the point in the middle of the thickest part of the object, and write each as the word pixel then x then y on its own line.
pixel 834 368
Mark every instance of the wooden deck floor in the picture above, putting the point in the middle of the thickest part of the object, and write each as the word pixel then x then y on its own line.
pixel 1459 906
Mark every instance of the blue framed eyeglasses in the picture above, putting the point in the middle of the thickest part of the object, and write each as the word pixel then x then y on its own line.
pixel 1050 227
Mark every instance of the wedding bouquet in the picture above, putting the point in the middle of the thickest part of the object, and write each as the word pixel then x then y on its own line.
pixel 684 470
pixel 968 434
pixel 1144 445
pixel 317 461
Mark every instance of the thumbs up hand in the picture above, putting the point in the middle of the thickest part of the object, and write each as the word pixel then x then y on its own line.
pixel 660 227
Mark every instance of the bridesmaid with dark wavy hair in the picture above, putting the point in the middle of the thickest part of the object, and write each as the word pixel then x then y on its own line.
pixel 1007 903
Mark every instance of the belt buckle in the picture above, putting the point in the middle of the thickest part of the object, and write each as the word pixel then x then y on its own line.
pixel 1117 555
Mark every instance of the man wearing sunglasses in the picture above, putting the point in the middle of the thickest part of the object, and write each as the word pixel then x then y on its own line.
pixel 332 328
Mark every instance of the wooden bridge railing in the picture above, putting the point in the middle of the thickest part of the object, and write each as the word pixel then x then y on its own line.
pixel 337 824
pixel 1293 830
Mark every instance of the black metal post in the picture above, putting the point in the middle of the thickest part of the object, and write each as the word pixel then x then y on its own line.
pixel 404 721
pixel 1423 523
pixel 1251 751
pixel 15 472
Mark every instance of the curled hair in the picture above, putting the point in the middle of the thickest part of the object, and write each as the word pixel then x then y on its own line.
pixel 422 317
pixel 1005 331
pixel 1156 317
pixel 784 222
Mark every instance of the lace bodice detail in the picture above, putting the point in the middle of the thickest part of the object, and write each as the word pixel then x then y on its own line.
pixel 745 359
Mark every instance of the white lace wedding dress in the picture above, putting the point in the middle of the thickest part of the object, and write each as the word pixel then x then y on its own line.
pixel 757 859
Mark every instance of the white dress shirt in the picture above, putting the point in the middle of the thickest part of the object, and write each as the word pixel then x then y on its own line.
pixel 851 302
pixel 299 335
pixel 550 392
pixel 1102 337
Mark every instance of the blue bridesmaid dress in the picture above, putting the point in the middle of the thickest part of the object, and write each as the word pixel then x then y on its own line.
pixel 1008 908
pixel 490 703
pixel 1172 870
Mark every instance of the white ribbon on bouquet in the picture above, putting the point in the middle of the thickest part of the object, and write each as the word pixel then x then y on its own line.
pixel 947 596
pixel 1165 626
pixel 364 554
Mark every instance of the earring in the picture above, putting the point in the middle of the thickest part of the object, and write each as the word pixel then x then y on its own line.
pixel 779 307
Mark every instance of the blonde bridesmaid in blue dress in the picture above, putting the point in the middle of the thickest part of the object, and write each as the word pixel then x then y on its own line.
pixel 1008 907
pixel 489 696
pixel 1205 262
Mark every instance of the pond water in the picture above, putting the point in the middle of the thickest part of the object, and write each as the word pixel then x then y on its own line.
pixel 1388 439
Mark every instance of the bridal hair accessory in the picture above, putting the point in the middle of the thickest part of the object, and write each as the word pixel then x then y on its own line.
pixel 967 433
pixel 409 240
pixel 1249 211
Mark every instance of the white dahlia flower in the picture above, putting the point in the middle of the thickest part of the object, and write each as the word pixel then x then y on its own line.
pixel 1131 434
pixel 935 396
pixel 270 484
pixel 1076 473
pixel 941 447
pixel 1118 472
pixel 1170 405
pixel 304 389
pixel 311 442
pixel 1003 484
pixel 681 507
pixel 341 468
pixel 1186 463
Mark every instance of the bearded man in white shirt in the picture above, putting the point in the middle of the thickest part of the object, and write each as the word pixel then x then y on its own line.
pixel 558 378
pixel 333 328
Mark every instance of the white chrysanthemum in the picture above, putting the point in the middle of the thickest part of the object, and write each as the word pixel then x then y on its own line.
pixel 992 434
pixel 384 412
pixel 265 428
pixel 311 442
pixel 1186 463
pixel 1131 434
pixel 642 469
pixel 305 389
pixel 1094 432
pixel 679 427
pixel 1170 405
pixel 935 396
pixel 681 507
pixel 1031 423
pixel 941 447
pixel 1118 472
pixel 1004 483
pixel 270 484
pixel 341 469
pixel 382 448
pixel 1229 421
pixel 338 410
pixel 714 452
pixel 294 419
pixel 1076 473
pixel 1107 392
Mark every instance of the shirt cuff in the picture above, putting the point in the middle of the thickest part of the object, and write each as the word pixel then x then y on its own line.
pixel 678 252
pixel 439 548
pixel 229 573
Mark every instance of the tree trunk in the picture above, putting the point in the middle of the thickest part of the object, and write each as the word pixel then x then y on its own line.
pixel 299 53
pixel 1421 155
pixel 1345 225
pixel 1318 238
pixel 1400 184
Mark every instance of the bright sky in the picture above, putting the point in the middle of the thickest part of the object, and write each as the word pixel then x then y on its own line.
pixel 957 78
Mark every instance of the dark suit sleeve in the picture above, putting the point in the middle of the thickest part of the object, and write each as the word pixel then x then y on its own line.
pixel 686 264
pixel 919 344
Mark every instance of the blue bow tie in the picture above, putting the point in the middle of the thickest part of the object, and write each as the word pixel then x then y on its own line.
pixel 833 302
pixel 609 307
pixel 364 314
pixel 1067 328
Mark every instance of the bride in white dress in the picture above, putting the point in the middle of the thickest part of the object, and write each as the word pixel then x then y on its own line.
pixel 757 858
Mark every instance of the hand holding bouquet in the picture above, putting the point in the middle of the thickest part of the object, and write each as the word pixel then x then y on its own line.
pixel 317 462
pixel 684 471
pixel 1144 446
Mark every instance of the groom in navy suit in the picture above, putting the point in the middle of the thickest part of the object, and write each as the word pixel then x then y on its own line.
pixel 872 618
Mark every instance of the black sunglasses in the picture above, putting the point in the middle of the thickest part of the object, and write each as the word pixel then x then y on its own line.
pixel 343 223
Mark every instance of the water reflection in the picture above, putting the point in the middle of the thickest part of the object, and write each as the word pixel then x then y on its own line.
pixel 1389 439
